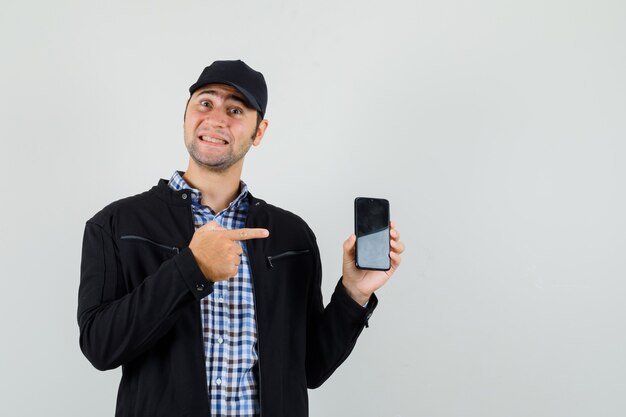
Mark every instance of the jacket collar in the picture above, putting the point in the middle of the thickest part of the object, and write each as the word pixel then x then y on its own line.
pixel 183 197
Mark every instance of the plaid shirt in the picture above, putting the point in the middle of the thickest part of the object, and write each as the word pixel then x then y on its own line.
pixel 228 322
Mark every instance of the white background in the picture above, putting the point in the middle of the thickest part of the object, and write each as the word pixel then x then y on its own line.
pixel 495 128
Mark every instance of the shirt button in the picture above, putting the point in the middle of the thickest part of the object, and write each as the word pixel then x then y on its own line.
pixel 218 381
pixel 221 299
pixel 200 287
pixel 220 340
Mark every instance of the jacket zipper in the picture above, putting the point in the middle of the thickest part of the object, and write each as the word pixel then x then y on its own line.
pixel 144 239
pixel 256 318
pixel 199 315
pixel 258 339
pixel 272 259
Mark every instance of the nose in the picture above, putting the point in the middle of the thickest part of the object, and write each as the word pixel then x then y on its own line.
pixel 215 118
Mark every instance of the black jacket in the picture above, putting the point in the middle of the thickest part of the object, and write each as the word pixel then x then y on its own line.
pixel 139 307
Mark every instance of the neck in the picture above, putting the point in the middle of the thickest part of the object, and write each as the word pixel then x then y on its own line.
pixel 218 188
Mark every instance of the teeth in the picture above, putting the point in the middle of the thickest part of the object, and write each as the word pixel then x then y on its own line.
pixel 213 140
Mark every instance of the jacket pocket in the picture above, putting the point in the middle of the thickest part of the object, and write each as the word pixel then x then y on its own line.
pixel 151 242
pixel 271 260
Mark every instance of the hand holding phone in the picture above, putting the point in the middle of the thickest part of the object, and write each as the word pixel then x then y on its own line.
pixel 369 262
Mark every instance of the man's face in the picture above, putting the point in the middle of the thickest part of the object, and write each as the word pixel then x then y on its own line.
pixel 220 127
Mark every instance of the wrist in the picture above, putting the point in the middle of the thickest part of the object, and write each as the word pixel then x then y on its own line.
pixel 355 294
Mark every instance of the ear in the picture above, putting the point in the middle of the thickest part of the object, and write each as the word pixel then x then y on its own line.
pixel 260 132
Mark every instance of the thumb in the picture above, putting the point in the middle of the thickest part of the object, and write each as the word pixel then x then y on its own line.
pixel 349 248
pixel 213 225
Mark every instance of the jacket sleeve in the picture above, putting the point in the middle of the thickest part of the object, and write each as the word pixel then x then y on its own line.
pixel 118 324
pixel 332 331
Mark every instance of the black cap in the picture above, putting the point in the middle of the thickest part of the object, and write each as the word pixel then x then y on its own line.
pixel 238 74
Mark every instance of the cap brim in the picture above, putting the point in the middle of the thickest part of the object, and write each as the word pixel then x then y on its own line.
pixel 249 97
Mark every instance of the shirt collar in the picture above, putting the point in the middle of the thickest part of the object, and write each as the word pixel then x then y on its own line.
pixel 177 183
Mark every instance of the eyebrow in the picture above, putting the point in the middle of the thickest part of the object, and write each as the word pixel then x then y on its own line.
pixel 233 97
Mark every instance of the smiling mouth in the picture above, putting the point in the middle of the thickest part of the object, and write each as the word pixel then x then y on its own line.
pixel 213 140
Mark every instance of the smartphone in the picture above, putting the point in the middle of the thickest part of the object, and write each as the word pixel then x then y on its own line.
pixel 371 226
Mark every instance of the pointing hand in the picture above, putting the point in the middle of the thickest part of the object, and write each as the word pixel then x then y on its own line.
pixel 217 250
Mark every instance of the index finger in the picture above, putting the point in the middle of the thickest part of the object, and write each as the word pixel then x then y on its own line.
pixel 246 234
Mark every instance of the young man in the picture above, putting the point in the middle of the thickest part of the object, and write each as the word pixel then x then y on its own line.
pixel 208 297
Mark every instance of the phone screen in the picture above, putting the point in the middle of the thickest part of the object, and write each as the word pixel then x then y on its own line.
pixel 371 218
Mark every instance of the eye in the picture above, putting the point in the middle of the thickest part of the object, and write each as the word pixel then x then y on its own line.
pixel 205 103
pixel 236 110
